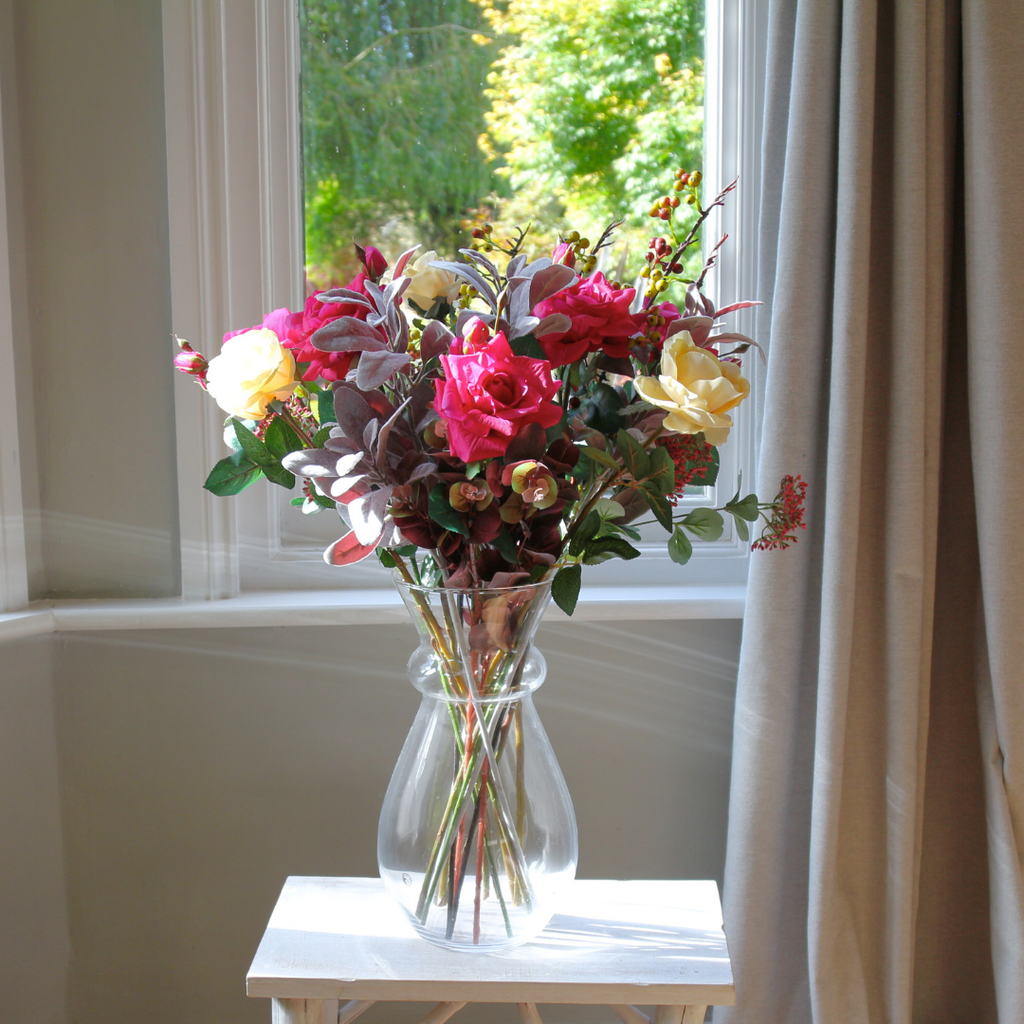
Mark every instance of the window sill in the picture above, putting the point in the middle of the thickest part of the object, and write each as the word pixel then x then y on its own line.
pixel 349 608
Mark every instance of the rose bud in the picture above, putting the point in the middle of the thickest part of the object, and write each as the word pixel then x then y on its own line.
pixel 189 361
pixel 373 260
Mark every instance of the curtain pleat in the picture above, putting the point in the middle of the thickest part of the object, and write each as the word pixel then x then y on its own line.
pixel 858 649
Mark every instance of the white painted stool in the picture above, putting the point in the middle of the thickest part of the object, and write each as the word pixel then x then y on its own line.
pixel 335 946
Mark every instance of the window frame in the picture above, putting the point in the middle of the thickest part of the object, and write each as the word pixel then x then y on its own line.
pixel 232 115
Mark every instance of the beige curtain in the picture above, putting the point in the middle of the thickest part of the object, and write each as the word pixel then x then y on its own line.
pixel 876 832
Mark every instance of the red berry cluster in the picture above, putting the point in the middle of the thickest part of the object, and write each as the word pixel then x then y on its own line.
pixel 691 458
pixel 787 516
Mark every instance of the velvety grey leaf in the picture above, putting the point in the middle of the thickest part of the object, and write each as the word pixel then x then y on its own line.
pixel 435 340
pixel 367 514
pixel 391 538
pixel 376 367
pixel 311 462
pixel 424 469
pixel 396 289
pixel 524 325
pixel 347 463
pixel 370 434
pixel 554 323
pixel 347 334
pixel 402 261
pixel 690 323
pixel 348 550
pixel 518 299
pixel 340 444
pixel 345 295
pixel 350 482
pixel 471 275
pixel 549 281
pixel 352 410
pixel 483 261
pixel 376 293
pixel 534 267
pixel 515 266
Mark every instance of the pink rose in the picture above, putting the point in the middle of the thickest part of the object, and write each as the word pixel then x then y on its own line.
pixel 488 397
pixel 600 320
pixel 326 365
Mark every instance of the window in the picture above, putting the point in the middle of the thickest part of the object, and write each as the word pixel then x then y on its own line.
pixel 236 239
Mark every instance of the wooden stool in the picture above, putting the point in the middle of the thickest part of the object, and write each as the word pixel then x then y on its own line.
pixel 335 946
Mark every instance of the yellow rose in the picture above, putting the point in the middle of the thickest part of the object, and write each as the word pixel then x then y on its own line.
pixel 252 369
pixel 428 284
pixel 696 388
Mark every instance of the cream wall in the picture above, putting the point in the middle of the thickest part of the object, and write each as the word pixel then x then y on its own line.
pixel 157 786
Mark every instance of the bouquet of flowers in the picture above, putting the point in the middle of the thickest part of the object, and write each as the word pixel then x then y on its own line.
pixel 487 426
pixel 495 420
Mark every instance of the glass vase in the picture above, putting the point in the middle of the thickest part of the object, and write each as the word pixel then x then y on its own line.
pixel 477 834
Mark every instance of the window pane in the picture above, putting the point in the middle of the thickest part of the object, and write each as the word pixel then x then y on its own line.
pixel 425 118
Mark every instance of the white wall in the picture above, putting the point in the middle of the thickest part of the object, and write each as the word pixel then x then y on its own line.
pixel 157 786
pixel 34 948
pixel 198 770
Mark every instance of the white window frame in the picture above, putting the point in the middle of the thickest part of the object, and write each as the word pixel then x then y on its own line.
pixel 234 192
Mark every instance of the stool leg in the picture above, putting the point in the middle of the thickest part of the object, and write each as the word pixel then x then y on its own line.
pixel 528 1013
pixel 630 1014
pixel 303 1011
pixel 352 1009
pixel 440 1013
pixel 694 1014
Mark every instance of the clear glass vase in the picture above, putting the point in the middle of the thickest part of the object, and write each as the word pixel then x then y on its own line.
pixel 477 833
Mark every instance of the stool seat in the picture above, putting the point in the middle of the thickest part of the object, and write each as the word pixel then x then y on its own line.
pixel 334 946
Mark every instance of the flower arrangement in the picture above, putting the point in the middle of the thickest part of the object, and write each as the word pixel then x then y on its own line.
pixel 487 427
pixel 496 420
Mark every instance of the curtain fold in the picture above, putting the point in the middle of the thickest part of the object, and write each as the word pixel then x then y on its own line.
pixel 891 251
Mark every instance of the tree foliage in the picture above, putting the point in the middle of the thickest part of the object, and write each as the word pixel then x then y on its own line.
pixel 421 117
pixel 393 105
pixel 593 105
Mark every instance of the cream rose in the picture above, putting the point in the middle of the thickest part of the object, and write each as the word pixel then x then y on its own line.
pixel 428 284
pixel 252 369
pixel 696 388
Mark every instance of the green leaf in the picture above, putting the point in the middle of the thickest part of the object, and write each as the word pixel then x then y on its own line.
pixel 660 506
pixel 599 456
pixel 506 547
pixel 473 470
pixel 281 439
pixel 232 474
pixel 745 509
pixel 705 523
pixel 635 459
pixel 527 345
pixel 321 435
pixel 663 470
pixel 300 500
pixel 600 409
pixel 742 528
pixel 385 558
pixel 325 409
pixel 679 547
pixel 443 514
pixel 586 531
pixel 277 474
pixel 253 447
pixel 610 546
pixel 565 588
